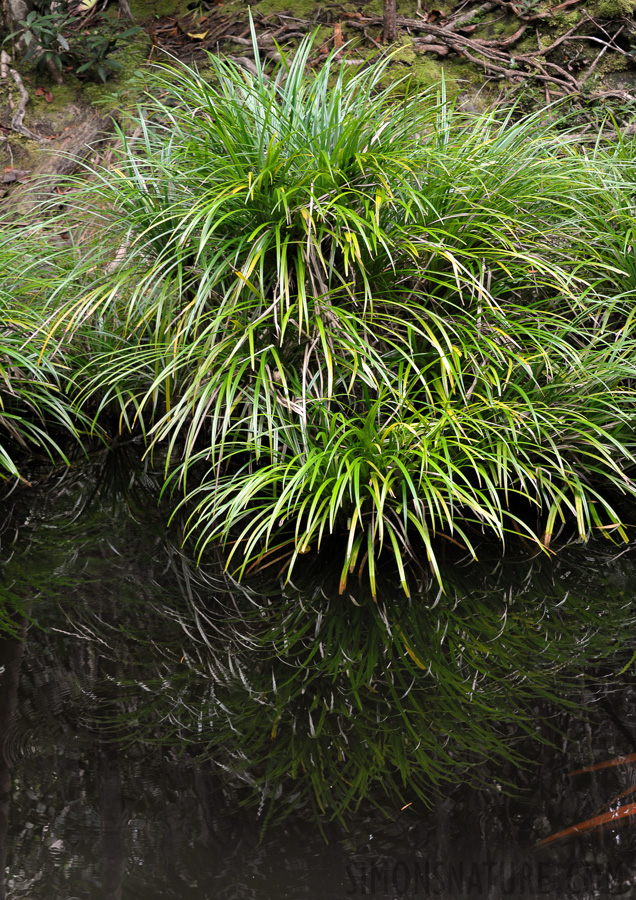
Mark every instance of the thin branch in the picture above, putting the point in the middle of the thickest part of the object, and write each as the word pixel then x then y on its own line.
pixel 17 122
pixel 604 49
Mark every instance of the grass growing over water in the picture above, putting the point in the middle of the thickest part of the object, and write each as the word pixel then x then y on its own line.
pixel 34 401
pixel 341 315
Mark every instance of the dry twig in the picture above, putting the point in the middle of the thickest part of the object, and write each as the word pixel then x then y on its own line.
pixel 17 120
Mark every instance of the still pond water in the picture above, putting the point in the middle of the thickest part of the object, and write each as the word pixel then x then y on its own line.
pixel 120 778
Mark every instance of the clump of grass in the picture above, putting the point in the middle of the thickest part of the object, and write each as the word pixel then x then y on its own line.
pixel 344 315
pixel 36 415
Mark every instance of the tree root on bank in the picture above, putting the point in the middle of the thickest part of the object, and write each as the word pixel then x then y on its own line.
pixel 68 151
pixel 454 35
pixel 17 120
pixel 494 57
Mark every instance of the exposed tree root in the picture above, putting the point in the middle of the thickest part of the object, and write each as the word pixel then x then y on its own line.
pixel 494 57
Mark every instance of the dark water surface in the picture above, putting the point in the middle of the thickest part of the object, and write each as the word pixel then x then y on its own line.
pixel 120 777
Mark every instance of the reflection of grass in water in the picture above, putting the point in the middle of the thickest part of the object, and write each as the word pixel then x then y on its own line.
pixel 34 409
pixel 300 697
pixel 341 315
pixel 314 699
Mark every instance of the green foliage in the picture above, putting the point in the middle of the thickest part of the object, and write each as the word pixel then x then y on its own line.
pixel 41 33
pixel 92 49
pixel 36 418
pixel 342 315
pixel 54 35
pixel 528 7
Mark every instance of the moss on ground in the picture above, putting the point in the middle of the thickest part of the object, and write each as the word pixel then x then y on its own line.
pixel 500 26
pixel 302 9
pixel 151 10
pixel 132 56
pixel 614 9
